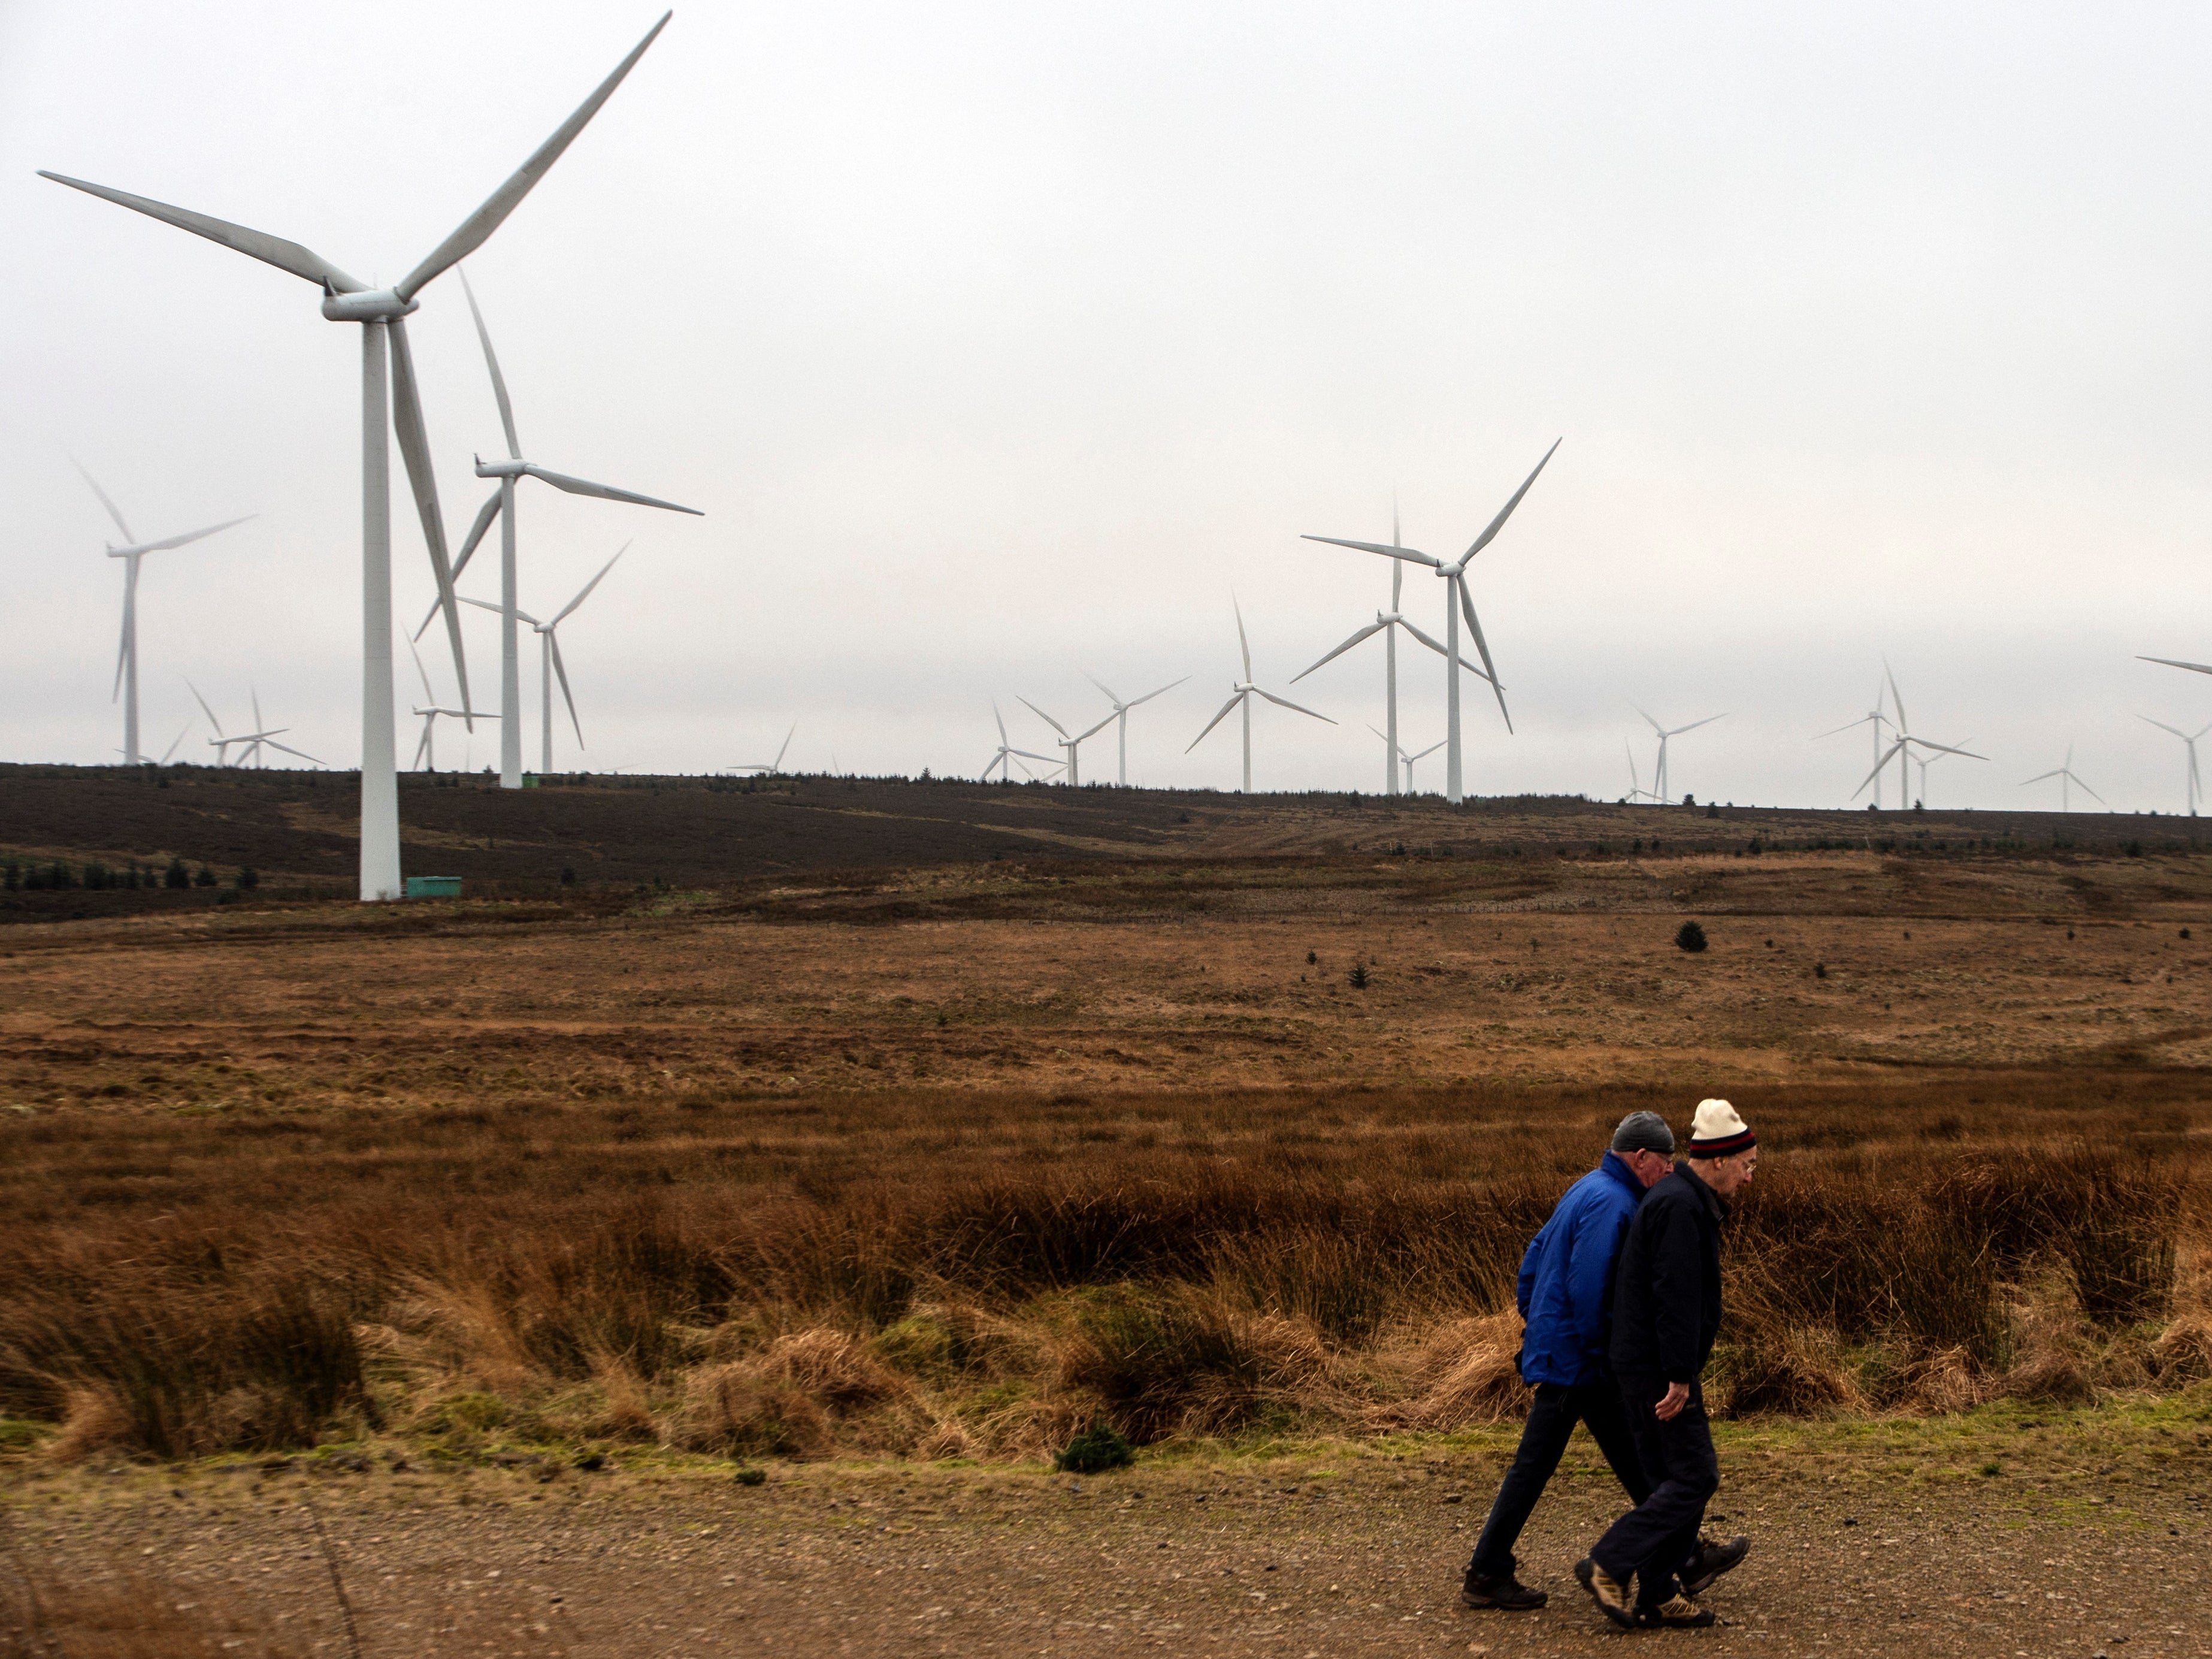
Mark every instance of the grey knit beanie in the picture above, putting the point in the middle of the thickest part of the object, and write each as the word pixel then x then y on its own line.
pixel 1643 1132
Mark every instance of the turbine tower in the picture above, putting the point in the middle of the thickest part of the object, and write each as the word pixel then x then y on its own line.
pixel 382 314
pixel 1875 718
pixel 1387 623
pixel 1901 750
pixel 1122 715
pixel 549 660
pixel 771 768
pixel 126 658
pixel 2193 780
pixel 1006 760
pixel 1457 603
pixel 1659 792
pixel 2066 780
pixel 1069 746
pixel 501 505
pixel 1245 691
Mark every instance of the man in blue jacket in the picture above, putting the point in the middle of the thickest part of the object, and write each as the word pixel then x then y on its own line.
pixel 1565 1295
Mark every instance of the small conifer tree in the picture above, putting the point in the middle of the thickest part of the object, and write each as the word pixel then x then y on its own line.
pixel 1690 937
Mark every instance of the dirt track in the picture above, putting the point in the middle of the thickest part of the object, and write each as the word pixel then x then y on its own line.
pixel 1358 1552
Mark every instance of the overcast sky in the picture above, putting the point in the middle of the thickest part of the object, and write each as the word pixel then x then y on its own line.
pixel 1002 343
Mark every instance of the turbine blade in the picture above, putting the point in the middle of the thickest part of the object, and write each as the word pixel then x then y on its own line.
pixel 254 244
pixel 2038 777
pixel 485 514
pixel 1941 749
pixel 1695 725
pixel 1104 687
pixel 2197 667
pixel 1001 719
pixel 1216 721
pixel 1149 695
pixel 1474 625
pixel 1373 628
pixel 172 750
pixel 480 224
pixel 520 615
pixel 1042 715
pixel 113 512
pixel 1430 750
pixel 1436 645
pixel 1286 703
pixel 429 695
pixel 288 749
pixel 129 618
pixel 1888 755
pixel 1847 726
pixel 788 736
pixel 588 586
pixel 2091 794
pixel 204 710
pixel 415 450
pixel 1506 512
pixel 1408 554
pixel 2163 727
pixel 498 380
pixel 1100 727
pixel 576 486
pixel 561 672
pixel 192 535
pixel 1242 644
pixel 1904 721
pixel 422 743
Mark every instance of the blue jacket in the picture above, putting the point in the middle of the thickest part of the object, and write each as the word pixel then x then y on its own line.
pixel 1565 1291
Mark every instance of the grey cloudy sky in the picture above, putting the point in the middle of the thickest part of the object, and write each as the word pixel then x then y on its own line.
pixel 1001 342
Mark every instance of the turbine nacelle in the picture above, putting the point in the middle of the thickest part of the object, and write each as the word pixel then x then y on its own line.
pixel 369 305
pixel 502 469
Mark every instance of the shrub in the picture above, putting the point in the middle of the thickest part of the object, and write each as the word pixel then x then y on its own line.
pixel 1097 1448
pixel 751 1477
pixel 1690 936
pixel 1359 976
pixel 176 876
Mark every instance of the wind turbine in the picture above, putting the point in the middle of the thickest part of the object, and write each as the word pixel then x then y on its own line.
pixel 382 314
pixel 126 658
pixel 2066 779
pixel 1457 603
pixel 1875 718
pixel 1423 755
pixel 1121 714
pixel 1069 746
pixel 1387 623
pixel 2193 790
pixel 501 505
pixel 549 660
pixel 1901 750
pixel 1659 771
pixel 1245 691
pixel 426 748
pixel 1006 759
pixel 771 768
pixel 1399 756
pixel 259 738
pixel 1636 790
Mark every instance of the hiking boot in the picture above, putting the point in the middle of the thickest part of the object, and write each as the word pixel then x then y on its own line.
pixel 1504 1590
pixel 1713 1558
pixel 1610 1594
pixel 1679 1613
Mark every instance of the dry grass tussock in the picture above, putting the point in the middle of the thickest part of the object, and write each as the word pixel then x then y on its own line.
pixel 125 1616
pixel 956 1275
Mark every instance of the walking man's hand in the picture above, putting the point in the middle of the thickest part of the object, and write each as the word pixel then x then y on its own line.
pixel 1677 1396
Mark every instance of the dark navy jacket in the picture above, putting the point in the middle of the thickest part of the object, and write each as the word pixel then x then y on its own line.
pixel 1565 1290
pixel 1667 1299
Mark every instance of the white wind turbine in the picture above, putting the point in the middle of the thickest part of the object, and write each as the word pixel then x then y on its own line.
pixel 1069 746
pixel 1423 755
pixel 126 658
pixel 1901 750
pixel 1659 771
pixel 1399 756
pixel 2066 779
pixel 548 663
pixel 501 505
pixel 254 742
pixel 1875 718
pixel 1122 715
pixel 1456 604
pixel 382 314
pixel 771 768
pixel 1387 623
pixel 1245 691
pixel 1636 790
pixel 1009 757
pixel 426 747
pixel 2193 783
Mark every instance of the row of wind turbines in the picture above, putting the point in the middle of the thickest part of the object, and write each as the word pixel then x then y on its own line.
pixel 391 407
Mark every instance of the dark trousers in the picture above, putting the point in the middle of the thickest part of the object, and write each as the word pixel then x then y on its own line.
pixel 1552 1420
pixel 1655 1537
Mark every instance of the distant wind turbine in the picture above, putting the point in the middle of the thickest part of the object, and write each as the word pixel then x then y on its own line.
pixel 1875 718
pixel 2066 778
pixel 1122 715
pixel 548 663
pixel 126 658
pixel 1069 746
pixel 382 314
pixel 771 768
pixel 426 746
pixel 1009 757
pixel 2193 784
pixel 1636 790
pixel 1243 694
pixel 1901 750
pixel 1387 623
pixel 262 736
pixel 1659 791
pixel 501 505
pixel 1457 603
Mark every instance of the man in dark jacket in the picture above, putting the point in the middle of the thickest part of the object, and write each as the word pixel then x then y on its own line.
pixel 1566 1295
pixel 1667 1312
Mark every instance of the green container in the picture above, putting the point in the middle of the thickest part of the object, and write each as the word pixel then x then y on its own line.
pixel 434 886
